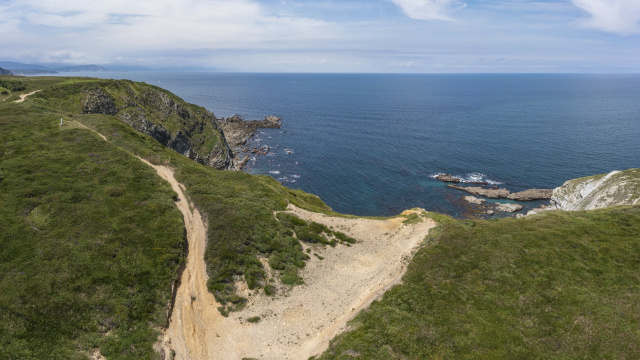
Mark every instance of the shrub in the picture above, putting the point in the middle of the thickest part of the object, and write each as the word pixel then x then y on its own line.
pixel 269 290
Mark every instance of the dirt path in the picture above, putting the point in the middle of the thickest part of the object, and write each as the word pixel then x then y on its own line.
pixel 24 96
pixel 190 334
pixel 195 314
pixel 298 322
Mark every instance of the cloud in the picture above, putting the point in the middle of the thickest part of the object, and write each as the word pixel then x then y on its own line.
pixel 429 9
pixel 107 29
pixel 615 16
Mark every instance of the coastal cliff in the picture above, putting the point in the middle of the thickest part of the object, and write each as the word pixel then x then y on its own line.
pixel 185 128
pixel 598 191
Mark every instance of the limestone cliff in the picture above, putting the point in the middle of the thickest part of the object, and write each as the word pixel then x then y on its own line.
pixel 599 191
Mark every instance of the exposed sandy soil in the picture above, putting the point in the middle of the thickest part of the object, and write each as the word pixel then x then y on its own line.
pixel 195 316
pixel 299 321
pixel 24 96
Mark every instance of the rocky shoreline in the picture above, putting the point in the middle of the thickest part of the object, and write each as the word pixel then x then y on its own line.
pixel 496 193
pixel 479 207
pixel 238 132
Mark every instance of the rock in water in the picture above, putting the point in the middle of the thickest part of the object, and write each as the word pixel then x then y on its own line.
pixel 448 178
pixel 508 207
pixel 531 194
pixel 474 200
pixel 490 193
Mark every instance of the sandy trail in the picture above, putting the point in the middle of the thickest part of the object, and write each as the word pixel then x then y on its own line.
pixel 190 333
pixel 195 316
pixel 300 321
pixel 24 96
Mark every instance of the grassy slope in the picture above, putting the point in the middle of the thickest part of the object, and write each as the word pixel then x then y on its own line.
pixel 557 285
pixel 91 240
pixel 69 94
pixel 90 243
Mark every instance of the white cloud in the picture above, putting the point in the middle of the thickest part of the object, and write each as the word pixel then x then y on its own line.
pixel 429 9
pixel 616 16
pixel 102 28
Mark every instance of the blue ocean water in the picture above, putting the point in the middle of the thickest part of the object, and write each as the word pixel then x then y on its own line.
pixel 371 144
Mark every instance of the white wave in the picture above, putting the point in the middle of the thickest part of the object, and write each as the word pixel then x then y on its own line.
pixel 275 172
pixel 295 176
pixel 474 177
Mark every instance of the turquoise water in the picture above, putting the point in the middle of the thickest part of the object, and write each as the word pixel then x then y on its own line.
pixel 371 144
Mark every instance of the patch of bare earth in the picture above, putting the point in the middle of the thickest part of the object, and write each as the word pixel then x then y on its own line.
pixel 299 322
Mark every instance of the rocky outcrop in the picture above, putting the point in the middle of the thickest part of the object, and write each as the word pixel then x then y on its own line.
pixel 5 72
pixel 238 131
pixel 448 178
pixel 531 194
pixel 496 193
pixel 474 200
pixel 479 191
pixel 505 207
pixel 599 191
pixel 189 130
pixel 99 101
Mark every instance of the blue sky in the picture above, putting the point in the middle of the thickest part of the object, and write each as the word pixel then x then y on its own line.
pixel 433 36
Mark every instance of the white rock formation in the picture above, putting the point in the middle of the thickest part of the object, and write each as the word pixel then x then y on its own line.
pixel 599 191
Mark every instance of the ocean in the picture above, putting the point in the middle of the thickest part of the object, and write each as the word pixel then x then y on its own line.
pixel 371 144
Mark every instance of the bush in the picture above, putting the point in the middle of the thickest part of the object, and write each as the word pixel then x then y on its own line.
pixel 269 290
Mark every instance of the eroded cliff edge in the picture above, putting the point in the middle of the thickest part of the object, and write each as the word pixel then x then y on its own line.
pixel 188 129
pixel 596 192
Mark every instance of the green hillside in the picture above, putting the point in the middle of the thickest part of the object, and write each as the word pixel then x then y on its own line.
pixel 91 244
pixel 91 241
pixel 561 285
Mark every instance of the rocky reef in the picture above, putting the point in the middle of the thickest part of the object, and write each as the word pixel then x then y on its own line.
pixel 238 132
pixel 496 193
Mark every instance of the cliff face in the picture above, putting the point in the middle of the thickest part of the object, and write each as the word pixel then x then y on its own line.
pixel 599 191
pixel 5 72
pixel 188 129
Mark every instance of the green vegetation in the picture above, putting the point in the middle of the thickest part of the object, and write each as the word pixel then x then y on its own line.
pixel 97 237
pixel 254 319
pixel 12 85
pixel 91 239
pixel 557 285
pixel 90 243
pixel 142 106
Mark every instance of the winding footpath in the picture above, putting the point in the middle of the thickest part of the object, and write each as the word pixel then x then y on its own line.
pixel 300 321
pixel 195 311
pixel 24 96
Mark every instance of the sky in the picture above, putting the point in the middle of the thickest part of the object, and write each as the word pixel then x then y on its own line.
pixel 371 36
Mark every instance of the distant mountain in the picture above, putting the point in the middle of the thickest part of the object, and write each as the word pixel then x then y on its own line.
pixel 33 71
pixel 5 72
pixel 81 68
pixel 16 65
